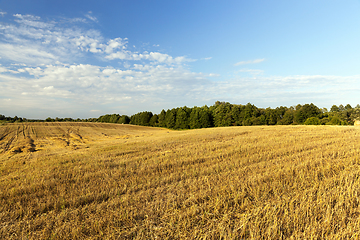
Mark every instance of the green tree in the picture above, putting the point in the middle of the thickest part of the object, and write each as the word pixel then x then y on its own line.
pixel 312 121
pixel 182 118
pixel 341 107
pixel 161 119
pixel 124 119
pixel 49 119
pixel 142 118
pixel 154 120
pixel 114 118
pixel 271 116
pixel 237 114
pixel 288 117
pixel 104 118
pixel 205 117
pixel 334 108
pixel 334 120
pixel 194 121
pixel 170 119
pixel 306 111
pixel 348 107
pixel 250 111
pixel 222 115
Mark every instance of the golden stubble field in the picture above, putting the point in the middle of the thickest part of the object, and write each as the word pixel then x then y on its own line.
pixel 108 181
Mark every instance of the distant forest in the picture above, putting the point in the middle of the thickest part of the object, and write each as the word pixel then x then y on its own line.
pixel 223 114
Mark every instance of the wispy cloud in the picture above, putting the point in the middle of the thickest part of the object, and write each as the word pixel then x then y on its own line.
pixel 89 16
pixel 32 21
pixel 50 69
pixel 85 87
pixel 2 13
pixel 33 40
pixel 124 54
pixel 90 85
pixel 250 62
pixel 26 54
pixel 75 20
pixel 44 60
pixel 251 71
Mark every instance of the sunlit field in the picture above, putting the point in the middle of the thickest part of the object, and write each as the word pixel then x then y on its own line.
pixel 113 181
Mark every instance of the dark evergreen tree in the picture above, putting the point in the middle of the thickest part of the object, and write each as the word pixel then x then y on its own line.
pixel 182 118
pixel 142 118
pixel 161 118
pixel 205 117
pixel 154 120
pixel 194 120
pixel 170 119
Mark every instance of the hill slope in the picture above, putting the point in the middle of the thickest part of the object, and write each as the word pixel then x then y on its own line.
pixel 80 180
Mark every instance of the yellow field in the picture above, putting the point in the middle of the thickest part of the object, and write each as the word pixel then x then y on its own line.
pixel 107 181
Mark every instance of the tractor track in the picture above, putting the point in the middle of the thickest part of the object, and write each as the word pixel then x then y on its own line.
pixel 5 133
pixel 8 144
pixel 11 137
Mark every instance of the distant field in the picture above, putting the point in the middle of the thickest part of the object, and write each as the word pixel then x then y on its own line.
pixel 111 181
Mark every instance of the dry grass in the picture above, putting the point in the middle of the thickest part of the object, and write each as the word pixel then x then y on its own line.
pixel 104 181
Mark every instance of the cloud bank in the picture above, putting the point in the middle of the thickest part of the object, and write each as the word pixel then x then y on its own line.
pixel 65 68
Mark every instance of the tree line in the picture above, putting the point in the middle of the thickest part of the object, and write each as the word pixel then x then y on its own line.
pixel 223 114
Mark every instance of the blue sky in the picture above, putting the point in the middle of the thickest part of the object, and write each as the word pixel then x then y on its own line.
pixel 88 58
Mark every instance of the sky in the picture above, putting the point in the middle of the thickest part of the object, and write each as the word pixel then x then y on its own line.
pixel 83 59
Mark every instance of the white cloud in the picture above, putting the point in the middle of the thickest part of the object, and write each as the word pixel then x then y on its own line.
pixel 214 75
pixel 32 40
pixel 75 20
pixel 32 21
pixel 250 62
pixel 2 13
pixel 84 87
pixel 251 71
pixel 28 54
pixel 90 85
pixel 92 18
pixel 117 43
pixel 48 68
pixel 3 69
pixel 123 55
pixel 152 56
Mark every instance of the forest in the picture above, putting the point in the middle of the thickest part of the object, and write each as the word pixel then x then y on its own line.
pixel 223 114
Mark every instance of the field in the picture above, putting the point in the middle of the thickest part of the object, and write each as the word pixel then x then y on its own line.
pixel 108 181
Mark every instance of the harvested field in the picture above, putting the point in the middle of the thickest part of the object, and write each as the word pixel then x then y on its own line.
pixel 108 181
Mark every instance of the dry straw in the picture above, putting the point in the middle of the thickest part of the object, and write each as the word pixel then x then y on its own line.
pixel 106 181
